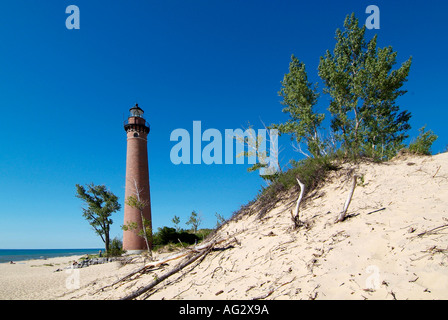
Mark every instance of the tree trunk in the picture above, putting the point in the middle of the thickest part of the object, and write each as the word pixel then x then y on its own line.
pixel 107 242
pixel 145 235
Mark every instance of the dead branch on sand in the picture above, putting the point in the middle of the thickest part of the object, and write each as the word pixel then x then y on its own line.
pixel 341 216
pixel 146 268
pixel 433 230
pixel 201 251
pixel 295 217
pixel 264 296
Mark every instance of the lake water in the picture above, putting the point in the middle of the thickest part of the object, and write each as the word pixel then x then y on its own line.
pixel 7 255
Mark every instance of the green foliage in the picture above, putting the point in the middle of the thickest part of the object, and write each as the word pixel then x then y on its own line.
pixel 363 88
pixel 145 231
pixel 101 203
pixel 203 233
pixel 195 220
pixel 310 171
pixel 134 202
pixel 254 143
pixel 176 221
pixel 299 98
pixel 168 235
pixel 130 226
pixel 220 219
pixel 116 248
pixel 423 143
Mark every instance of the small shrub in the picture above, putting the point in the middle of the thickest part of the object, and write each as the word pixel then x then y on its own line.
pixel 115 248
pixel 168 235
pixel 203 233
pixel 422 145
pixel 310 171
pixel 187 237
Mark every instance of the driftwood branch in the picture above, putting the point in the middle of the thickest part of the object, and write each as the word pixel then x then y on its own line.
pixel 343 213
pixel 201 251
pixel 159 263
pixel 302 190
pixel 264 296
pixel 432 230
pixel 145 268
pixel 295 216
pixel 166 275
pixel 436 171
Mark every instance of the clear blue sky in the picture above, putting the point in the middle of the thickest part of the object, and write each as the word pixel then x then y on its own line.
pixel 65 93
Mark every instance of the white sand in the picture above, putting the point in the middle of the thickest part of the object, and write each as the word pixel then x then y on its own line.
pixel 38 279
pixel 371 255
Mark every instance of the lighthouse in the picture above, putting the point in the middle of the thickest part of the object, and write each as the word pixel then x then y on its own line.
pixel 137 179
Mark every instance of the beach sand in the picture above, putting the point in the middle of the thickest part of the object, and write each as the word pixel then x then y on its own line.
pixel 394 245
pixel 38 279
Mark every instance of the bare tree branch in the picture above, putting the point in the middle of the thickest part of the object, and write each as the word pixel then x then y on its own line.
pixel 295 217
pixel 341 216
pixel 296 146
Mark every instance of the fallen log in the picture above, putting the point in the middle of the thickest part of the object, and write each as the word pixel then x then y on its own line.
pixel 166 275
pixel 143 269
pixel 158 263
pixel 201 251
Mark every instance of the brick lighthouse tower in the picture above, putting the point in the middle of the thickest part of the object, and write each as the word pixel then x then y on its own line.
pixel 137 178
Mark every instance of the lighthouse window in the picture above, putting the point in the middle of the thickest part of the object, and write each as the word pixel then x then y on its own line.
pixel 136 135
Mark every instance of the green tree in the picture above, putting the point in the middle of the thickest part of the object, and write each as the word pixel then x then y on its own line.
pixel 423 143
pixel 363 88
pixel 256 147
pixel 195 220
pixel 220 219
pixel 146 230
pixel 100 204
pixel 176 221
pixel 299 98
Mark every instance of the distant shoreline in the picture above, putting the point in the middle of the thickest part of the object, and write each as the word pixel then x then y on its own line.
pixel 20 255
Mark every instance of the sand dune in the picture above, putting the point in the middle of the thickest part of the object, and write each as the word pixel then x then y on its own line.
pixel 394 245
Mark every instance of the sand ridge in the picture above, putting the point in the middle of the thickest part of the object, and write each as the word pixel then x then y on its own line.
pixel 393 245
